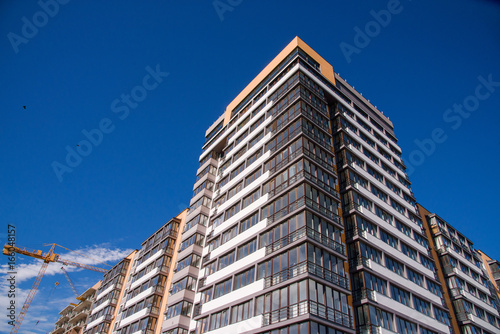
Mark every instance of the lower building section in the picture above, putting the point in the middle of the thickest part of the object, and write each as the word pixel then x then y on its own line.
pixel 133 295
pixel 75 316
pixel 470 295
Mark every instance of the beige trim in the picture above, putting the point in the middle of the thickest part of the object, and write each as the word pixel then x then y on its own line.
pixel 130 257
pixel 173 261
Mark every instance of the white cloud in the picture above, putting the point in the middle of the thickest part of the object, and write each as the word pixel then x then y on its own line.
pixel 95 254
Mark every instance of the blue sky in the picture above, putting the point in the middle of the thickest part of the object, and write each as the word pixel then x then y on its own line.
pixel 71 70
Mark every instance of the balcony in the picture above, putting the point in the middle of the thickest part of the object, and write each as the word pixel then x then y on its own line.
pixel 82 314
pixel 297 204
pixel 443 249
pixel 312 157
pixel 285 313
pixel 164 269
pixel 306 267
pixel 113 301
pixel 108 318
pixel 327 275
pixel 205 259
pixel 285 185
pixel 303 232
pixel 457 292
pixel 320 161
pixel 324 211
pixel 348 182
pixel 327 146
pixel 322 185
pixel 286 274
pixel 172 233
pixel 326 241
pixel 285 141
pixel 158 289
pixel 291 99
pixel 286 240
pixel 352 206
pixel 360 261
pixel 58 330
pixel 310 116
pixel 286 160
pixel 361 294
pixel 355 232
pixel 331 314
pixel 462 316
pixel 62 319
pixel 76 326
pixel 448 270
pixel 153 310
pixel 369 329
pixel 83 304
pixel 436 229
pixel 285 122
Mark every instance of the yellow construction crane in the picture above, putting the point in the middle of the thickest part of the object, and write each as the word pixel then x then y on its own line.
pixel 48 257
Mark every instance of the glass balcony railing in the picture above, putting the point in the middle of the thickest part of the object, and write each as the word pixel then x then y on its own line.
pixel 307 267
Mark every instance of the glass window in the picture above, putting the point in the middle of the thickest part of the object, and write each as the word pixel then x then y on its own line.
pixel 244 278
pixel 248 222
pixel 246 249
pixel 400 295
pixel 242 311
pixel 406 327
pixel 222 288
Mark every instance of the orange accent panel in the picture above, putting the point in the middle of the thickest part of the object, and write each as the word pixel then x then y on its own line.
pixel 485 259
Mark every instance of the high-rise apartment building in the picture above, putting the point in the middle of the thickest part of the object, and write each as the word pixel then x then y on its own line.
pixel 302 218
pixel 302 221
pixel 470 295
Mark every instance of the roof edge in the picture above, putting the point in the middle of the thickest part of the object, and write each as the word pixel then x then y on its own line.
pixel 325 67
